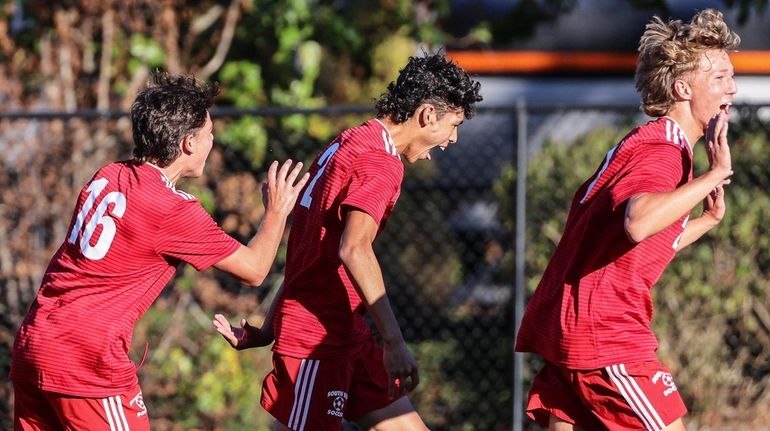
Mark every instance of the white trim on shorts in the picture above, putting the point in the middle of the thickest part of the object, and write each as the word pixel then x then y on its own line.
pixel 303 392
pixel 635 397
pixel 116 416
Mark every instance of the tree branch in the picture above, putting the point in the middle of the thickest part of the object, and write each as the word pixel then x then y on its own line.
pixel 231 21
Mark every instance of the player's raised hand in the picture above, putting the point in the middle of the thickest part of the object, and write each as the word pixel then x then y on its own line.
pixel 401 366
pixel 246 336
pixel 717 146
pixel 283 186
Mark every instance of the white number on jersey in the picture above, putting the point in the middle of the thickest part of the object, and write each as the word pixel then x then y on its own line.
pixel 322 161
pixel 99 218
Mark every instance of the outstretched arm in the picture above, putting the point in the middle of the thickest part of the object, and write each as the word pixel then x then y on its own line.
pixel 250 264
pixel 358 257
pixel 650 213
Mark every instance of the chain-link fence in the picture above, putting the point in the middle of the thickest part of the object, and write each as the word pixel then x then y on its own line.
pixel 470 236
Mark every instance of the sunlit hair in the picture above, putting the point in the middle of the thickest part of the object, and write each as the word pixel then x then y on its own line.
pixel 430 79
pixel 168 109
pixel 668 51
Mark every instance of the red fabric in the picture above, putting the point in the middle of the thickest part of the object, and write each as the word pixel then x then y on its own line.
pixel 76 337
pixel 315 394
pixel 320 314
pixel 593 305
pixel 37 410
pixel 634 396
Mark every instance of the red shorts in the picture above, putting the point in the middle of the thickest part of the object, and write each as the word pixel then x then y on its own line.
pixel 315 394
pixel 635 396
pixel 35 409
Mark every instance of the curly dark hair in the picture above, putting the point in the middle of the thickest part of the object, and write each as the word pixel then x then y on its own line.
pixel 170 107
pixel 430 79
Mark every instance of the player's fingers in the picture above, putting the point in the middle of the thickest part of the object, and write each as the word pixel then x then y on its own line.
pixel 228 335
pixel 710 128
pixel 294 174
pixel 271 172
pixel 723 131
pixel 284 171
pixel 220 320
pixel 302 181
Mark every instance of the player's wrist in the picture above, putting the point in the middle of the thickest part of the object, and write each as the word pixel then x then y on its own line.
pixel 394 340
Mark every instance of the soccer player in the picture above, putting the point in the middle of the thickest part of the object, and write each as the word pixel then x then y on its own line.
pixel 327 364
pixel 590 315
pixel 130 230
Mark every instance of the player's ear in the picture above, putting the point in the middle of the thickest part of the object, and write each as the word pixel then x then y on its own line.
pixel 186 144
pixel 426 114
pixel 682 90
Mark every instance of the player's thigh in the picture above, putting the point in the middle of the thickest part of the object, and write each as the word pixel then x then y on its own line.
pixel 677 425
pixel 123 411
pixel 556 424
pixel 632 396
pixel 554 403
pixel 32 411
pixel 370 405
pixel 396 416
pixel 307 394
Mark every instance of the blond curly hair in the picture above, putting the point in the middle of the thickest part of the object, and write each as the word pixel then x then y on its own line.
pixel 667 51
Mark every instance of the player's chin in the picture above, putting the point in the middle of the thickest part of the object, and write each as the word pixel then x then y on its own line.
pixel 422 156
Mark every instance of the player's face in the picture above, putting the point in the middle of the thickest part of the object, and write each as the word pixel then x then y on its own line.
pixel 202 143
pixel 713 86
pixel 440 133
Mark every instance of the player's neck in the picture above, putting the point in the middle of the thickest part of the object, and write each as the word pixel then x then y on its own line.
pixel 692 130
pixel 172 172
pixel 401 133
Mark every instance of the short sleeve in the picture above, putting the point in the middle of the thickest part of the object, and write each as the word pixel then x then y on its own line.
pixel 652 168
pixel 190 234
pixel 374 183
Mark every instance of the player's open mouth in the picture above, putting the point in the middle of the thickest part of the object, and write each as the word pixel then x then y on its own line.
pixel 725 106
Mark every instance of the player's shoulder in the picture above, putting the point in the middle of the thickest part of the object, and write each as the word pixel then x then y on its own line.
pixel 663 130
pixel 146 183
pixel 370 137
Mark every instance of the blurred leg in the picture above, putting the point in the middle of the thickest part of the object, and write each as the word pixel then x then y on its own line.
pixel 396 416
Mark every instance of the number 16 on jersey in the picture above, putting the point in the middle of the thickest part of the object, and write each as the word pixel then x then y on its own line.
pixel 99 218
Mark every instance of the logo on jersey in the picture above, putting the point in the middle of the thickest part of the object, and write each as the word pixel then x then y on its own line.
pixel 337 399
pixel 668 382
pixel 139 402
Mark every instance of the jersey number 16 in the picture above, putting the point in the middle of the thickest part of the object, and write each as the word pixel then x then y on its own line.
pixel 99 218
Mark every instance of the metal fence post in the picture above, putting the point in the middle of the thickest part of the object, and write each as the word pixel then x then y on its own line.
pixel 519 286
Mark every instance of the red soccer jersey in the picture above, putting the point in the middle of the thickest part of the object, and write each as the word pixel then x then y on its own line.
pixel 593 307
pixel 130 230
pixel 320 313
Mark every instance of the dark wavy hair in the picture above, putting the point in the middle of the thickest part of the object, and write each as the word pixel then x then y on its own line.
pixel 430 79
pixel 169 108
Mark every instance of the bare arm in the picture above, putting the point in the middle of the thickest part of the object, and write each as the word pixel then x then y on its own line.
pixel 650 213
pixel 250 264
pixel 357 255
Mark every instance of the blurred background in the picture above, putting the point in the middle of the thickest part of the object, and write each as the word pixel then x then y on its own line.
pixel 473 229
